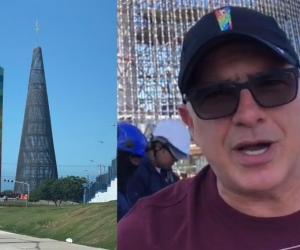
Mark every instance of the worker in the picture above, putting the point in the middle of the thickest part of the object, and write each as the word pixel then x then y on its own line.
pixel 169 143
pixel 131 148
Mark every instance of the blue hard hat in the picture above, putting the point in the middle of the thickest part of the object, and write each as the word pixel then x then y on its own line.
pixel 131 139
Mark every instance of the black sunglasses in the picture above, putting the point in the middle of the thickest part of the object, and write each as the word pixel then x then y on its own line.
pixel 269 89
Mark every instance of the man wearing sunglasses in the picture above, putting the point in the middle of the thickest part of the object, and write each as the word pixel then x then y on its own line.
pixel 239 79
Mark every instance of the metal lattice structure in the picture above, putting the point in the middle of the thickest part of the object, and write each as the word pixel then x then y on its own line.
pixel 36 161
pixel 150 34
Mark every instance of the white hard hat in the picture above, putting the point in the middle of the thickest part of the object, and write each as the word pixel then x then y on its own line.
pixel 176 136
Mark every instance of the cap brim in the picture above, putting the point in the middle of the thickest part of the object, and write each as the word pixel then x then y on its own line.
pixel 178 155
pixel 226 38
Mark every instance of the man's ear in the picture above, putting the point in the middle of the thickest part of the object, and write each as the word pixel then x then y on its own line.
pixel 186 117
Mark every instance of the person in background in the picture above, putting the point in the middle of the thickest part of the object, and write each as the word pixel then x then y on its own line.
pixel 131 146
pixel 169 143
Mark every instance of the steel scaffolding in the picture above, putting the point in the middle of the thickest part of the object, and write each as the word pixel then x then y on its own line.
pixel 150 34
pixel 36 160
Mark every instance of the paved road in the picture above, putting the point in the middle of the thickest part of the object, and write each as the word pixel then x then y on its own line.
pixel 10 241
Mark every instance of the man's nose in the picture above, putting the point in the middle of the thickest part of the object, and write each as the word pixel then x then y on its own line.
pixel 249 113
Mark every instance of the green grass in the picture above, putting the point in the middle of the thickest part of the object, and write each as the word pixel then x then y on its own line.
pixel 86 224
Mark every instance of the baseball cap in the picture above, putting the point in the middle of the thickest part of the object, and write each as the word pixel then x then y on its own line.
pixel 178 154
pixel 231 23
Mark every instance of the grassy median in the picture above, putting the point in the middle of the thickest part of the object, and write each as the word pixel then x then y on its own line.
pixel 86 224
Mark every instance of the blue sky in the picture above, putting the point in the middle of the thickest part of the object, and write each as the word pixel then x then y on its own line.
pixel 79 44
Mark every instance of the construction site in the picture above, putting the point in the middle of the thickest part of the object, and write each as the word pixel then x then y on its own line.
pixel 150 35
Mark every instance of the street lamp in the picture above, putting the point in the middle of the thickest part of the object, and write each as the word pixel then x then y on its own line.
pixel 108 144
pixel 27 189
pixel 87 175
pixel 100 166
pixel 97 166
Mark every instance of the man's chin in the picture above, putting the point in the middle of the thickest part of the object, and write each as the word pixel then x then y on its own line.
pixel 260 184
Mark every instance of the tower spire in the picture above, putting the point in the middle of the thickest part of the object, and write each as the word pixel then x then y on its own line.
pixel 37 29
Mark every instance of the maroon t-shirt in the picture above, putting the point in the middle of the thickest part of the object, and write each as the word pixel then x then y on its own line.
pixel 190 215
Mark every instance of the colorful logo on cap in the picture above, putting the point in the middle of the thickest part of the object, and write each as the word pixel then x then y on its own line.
pixel 224 18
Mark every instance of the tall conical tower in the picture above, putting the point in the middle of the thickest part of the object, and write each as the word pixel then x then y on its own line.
pixel 36 161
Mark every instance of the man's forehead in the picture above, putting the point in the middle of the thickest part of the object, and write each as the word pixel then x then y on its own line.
pixel 238 51
pixel 238 48
pixel 218 63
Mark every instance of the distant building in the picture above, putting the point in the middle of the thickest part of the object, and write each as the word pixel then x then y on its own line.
pixel 1 115
pixel 36 161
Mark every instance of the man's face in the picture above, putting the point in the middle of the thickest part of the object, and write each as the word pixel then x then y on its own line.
pixel 135 160
pixel 164 157
pixel 273 167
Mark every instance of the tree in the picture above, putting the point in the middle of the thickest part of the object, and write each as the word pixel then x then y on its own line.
pixel 45 189
pixel 8 192
pixel 73 188
pixel 35 195
pixel 58 190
